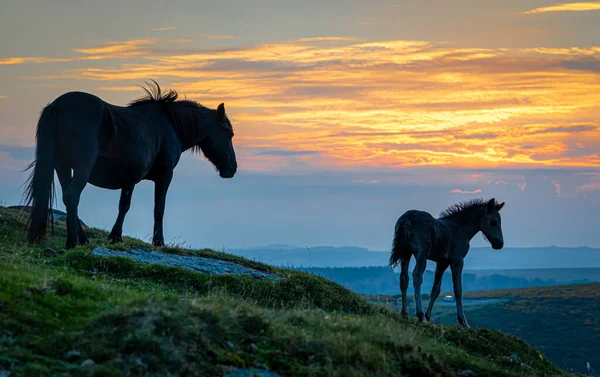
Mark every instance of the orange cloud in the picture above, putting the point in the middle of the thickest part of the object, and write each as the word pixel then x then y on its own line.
pixel 568 7
pixel 459 191
pixel 3 97
pixel 382 103
pixel 163 28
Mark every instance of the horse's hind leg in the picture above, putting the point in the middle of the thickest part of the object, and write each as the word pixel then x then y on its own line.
pixel 116 234
pixel 421 258
pixel 404 280
pixel 64 177
pixel 71 199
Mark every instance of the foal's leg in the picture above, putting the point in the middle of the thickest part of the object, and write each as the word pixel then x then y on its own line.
pixel 116 234
pixel 404 279
pixel 161 186
pixel 457 268
pixel 71 199
pixel 440 268
pixel 417 274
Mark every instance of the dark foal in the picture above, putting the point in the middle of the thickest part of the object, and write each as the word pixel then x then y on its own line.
pixel 85 139
pixel 444 240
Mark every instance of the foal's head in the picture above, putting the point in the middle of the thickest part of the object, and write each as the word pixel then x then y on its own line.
pixel 217 146
pixel 491 224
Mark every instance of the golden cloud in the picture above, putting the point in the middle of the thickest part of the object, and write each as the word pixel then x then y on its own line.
pixel 383 103
pixel 568 7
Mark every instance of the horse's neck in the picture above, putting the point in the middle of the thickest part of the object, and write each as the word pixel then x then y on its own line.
pixel 467 227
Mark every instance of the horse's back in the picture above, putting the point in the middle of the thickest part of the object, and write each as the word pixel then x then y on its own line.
pixel 418 228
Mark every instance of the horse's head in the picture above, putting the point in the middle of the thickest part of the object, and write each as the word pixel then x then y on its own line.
pixel 217 146
pixel 491 224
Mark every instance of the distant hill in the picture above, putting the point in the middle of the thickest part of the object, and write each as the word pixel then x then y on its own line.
pixel 479 258
pixel 561 321
pixel 384 280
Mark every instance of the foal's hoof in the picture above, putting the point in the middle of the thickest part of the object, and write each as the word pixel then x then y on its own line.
pixel 464 324
pixel 404 314
pixel 158 243
pixel 422 318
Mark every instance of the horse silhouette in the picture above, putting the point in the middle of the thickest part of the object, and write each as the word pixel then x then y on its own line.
pixel 85 139
pixel 444 240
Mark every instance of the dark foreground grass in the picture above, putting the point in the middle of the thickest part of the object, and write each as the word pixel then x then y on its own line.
pixel 142 320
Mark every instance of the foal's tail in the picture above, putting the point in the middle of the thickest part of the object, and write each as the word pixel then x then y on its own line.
pixel 401 236
pixel 40 184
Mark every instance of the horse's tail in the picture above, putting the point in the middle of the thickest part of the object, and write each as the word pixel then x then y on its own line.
pixel 40 184
pixel 401 236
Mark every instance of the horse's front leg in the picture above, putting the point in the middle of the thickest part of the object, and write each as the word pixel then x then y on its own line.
pixel 116 234
pixel 457 268
pixel 437 286
pixel 161 185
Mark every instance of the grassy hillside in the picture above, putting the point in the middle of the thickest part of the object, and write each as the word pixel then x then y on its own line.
pixel 561 321
pixel 76 314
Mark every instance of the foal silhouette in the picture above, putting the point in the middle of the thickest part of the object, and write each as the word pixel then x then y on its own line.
pixel 445 241
pixel 85 139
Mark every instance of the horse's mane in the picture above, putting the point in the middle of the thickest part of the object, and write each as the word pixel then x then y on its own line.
pixel 180 111
pixel 463 207
pixel 155 95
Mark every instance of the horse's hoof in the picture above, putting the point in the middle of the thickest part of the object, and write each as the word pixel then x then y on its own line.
pixel 404 314
pixel 115 239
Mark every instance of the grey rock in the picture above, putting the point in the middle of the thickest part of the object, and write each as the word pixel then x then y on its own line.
pixel 249 372
pixel 72 355
pixel 4 373
pixel 62 251
pixel 465 373
pixel 189 262
pixel 88 364
pixel 56 214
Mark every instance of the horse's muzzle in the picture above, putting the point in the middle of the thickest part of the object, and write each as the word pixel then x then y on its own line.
pixel 227 174
pixel 498 245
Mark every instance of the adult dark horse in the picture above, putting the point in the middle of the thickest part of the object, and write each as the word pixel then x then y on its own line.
pixel 86 139
pixel 444 240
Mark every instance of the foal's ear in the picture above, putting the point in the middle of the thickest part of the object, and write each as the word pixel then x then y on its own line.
pixel 221 112
pixel 499 206
pixel 491 204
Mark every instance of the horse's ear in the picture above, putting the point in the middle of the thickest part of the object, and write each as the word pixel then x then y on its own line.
pixel 499 206
pixel 221 112
pixel 491 205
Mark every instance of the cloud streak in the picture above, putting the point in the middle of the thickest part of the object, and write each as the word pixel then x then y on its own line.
pixel 568 7
pixel 473 192
pixel 357 103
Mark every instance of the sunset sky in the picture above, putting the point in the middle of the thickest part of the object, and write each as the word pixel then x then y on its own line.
pixel 347 113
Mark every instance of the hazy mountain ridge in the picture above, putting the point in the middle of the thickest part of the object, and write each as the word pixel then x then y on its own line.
pixel 479 258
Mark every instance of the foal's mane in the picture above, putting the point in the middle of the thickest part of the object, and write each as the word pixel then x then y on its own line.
pixel 181 112
pixel 463 208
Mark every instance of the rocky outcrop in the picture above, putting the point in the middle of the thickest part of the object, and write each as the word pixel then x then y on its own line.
pixel 189 262
pixel 58 215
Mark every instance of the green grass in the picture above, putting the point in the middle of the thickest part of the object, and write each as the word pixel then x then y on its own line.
pixel 143 320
